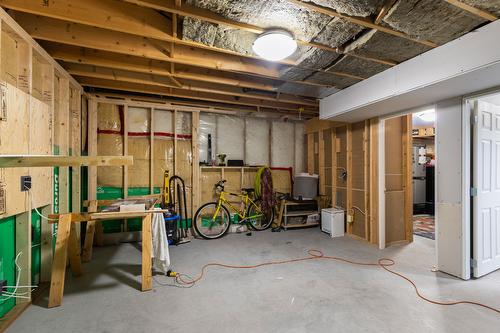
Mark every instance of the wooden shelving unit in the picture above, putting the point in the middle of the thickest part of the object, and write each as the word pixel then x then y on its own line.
pixel 299 213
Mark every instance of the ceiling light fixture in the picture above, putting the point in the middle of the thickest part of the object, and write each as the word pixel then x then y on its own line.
pixel 275 45
pixel 428 115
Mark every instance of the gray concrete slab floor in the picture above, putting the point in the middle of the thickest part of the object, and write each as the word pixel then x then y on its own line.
pixel 311 296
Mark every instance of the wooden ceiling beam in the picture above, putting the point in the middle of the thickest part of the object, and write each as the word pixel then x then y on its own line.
pixel 384 10
pixel 189 85
pixel 54 30
pixel 102 13
pixel 473 10
pixel 359 21
pixel 99 80
pixel 208 16
pixel 77 55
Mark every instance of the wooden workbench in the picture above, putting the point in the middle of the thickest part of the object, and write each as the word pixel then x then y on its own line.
pixel 67 244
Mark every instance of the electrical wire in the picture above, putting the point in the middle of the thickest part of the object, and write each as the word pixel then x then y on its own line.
pixel 383 263
pixel 28 190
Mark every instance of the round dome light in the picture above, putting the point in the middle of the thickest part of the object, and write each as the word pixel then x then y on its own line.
pixel 275 45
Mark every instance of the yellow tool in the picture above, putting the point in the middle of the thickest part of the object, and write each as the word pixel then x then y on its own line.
pixel 166 189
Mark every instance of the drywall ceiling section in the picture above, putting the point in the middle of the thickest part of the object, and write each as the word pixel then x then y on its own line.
pixel 457 68
pixel 419 18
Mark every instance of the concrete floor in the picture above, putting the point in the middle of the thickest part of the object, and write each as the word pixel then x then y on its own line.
pixel 313 296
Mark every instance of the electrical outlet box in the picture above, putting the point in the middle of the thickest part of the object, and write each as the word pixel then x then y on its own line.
pixel 350 218
pixel 25 183
pixel 3 284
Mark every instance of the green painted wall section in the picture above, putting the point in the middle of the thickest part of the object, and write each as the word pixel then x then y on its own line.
pixel 36 247
pixel 7 257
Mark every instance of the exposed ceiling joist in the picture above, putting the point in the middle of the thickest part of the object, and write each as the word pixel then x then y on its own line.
pixel 99 80
pixel 384 10
pixel 190 85
pixel 114 97
pixel 473 10
pixel 360 21
pixel 170 6
pixel 148 24
pixel 71 54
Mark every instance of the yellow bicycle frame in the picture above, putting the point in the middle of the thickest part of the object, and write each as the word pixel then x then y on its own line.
pixel 245 199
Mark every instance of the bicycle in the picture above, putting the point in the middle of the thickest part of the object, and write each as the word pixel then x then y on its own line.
pixel 212 220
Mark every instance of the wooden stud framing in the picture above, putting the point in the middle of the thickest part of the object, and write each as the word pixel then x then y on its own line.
pixel 473 10
pixel 374 181
pixel 334 167
pixel 366 178
pixel 321 167
pixel 125 150
pixel 310 153
pixel 195 124
pixel 23 245
pixel 407 176
pixel 349 175
pixel 151 149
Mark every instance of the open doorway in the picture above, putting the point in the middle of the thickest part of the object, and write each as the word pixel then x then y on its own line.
pixel 423 173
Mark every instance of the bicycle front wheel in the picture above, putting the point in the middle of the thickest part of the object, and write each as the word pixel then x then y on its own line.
pixel 258 219
pixel 210 223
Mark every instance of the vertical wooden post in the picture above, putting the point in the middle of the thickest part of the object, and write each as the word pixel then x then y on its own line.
pixel 175 143
pixel 46 246
pixel 366 174
pixel 310 153
pixel 125 151
pixel 147 279
pixel 374 181
pixel 152 150
pixel 321 160
pixel 334 167
pixel 59 262
pixel 195 119
pixel 349 175
pixel 407 174
pixel 75 259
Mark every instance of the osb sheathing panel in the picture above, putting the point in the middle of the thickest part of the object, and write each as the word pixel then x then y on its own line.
pixel 358 157
pixel 394 216
pixel 281 181
pixel 27 130
pixel 341 198
pixel 341 156
pixel 394 153
pixel 208 179
pixel 9 59
pixel 358 226
pixel 327 137
pixel 316 154
pixel 249 178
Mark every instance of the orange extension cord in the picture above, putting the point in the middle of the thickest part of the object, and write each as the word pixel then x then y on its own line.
pixel 318 255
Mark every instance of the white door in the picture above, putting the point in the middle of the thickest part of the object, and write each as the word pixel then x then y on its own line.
pixel 486 182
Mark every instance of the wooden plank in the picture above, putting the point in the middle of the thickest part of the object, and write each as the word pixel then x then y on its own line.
pixel 92 176
pixel 22 161
pixel 151 149
pixel 75 259
pixel 59 262
pixel 315 125
pixel 89 241
pixel 195 119
pixel 408 175
pixel 334 167
pixel 125 150
pixel 147 279
pixel 473 10
pixel 176 158
pixel 46 246
pixel 310 153
pixel 321 159
pixel 374 181
pixel 366 178
pixel 384 10
pixel 349 175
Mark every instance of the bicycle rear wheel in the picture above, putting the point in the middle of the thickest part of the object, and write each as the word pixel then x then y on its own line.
pixel 210 225
pixel 257 219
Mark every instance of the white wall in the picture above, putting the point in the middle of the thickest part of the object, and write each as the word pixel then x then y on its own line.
pixel 463 66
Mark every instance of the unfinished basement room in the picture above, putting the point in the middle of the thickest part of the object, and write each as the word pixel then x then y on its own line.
pixel 249 166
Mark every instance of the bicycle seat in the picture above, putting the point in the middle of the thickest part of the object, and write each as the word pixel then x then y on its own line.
pixel 248 190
